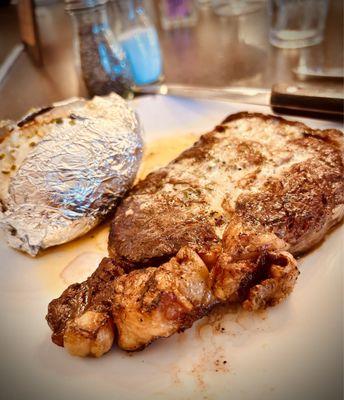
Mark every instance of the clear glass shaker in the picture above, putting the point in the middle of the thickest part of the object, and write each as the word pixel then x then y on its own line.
pixel 139 39
pixel 101 61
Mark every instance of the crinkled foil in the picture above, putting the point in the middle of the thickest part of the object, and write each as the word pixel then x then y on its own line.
pixel 86 160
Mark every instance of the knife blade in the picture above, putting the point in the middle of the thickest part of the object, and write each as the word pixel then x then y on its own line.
pixel 256 96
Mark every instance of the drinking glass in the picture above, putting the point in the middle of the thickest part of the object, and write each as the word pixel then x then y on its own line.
pixel 297 23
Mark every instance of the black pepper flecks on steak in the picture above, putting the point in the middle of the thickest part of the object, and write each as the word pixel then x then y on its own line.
pixel 278 173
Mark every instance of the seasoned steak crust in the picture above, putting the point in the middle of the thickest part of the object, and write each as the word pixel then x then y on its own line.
pixel 220 224
pixel 150 303
pixel 277 173
pixel 79 297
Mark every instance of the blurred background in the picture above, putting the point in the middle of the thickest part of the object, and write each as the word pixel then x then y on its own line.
pixel 51 50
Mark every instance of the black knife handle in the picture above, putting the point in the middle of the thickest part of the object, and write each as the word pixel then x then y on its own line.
pixel 293 100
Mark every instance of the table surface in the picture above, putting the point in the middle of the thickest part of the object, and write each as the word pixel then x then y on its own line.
pixel 217 51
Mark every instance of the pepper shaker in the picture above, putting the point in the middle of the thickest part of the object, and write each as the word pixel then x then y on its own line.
pixel 101 61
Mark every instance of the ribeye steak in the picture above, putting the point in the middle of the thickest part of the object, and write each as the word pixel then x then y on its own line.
pixel 221 223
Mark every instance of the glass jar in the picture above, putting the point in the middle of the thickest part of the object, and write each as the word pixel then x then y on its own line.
pixel 139 39
pixel 101 62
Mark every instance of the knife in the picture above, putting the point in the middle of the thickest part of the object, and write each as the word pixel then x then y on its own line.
pixel 282 98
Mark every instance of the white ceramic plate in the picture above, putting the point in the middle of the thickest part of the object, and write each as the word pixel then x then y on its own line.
pixel 292 351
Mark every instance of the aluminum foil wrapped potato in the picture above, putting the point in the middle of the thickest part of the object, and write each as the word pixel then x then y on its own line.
pixel 64 167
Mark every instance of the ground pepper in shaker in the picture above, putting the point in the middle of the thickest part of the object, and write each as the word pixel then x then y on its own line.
pixel 101 61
